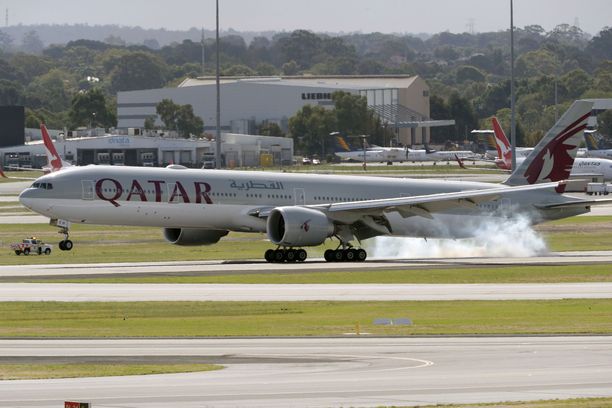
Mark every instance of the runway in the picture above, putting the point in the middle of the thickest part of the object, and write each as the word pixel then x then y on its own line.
pixel 210 268
pixel 331 372
pixel 80 292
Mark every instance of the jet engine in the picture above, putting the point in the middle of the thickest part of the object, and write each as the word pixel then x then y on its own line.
pixel 298 226
pixel 193 236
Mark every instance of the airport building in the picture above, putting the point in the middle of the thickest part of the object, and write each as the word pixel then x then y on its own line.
pixel 237 150
pixel 402 102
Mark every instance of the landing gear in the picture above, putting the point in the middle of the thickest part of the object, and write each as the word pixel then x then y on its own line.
pixel 285 255
pixel 345 255
pixel 65 244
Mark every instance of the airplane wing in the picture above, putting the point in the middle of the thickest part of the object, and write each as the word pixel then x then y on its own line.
pixel 425 205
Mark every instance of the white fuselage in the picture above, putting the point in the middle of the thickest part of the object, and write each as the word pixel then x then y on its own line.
pixel 435 155
pixel 375 155
pixel 232 200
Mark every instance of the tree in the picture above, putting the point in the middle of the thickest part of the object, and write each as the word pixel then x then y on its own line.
pixel 352 113
pixel 310 127
pixel 600 46
pixel 52 91
pixel 180 118
pixel 31 43
pixel 91 109
pixel 469 73
pixel 11 92
pixel 149 122
pixel 290 68
pixel 137 70
pixel 238 70
pixel 461 110
pixel 188 123
pixel 167 111
pixel 270 129
pixel 6 41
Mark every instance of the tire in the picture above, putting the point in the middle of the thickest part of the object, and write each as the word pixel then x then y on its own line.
pixel 269 255
pixel 361 255
pixel 301 255
pixel 279 255
pixel 17 252
pixel 68 245
pixel 329 255
pixel 350 255
pixel 339 255
pixel 39 251
pixel 48 251
pixel 291 255
pixel 26 251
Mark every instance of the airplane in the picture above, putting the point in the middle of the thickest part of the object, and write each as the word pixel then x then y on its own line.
pixel 199 207
pixel 594 148
pixel 368 153
pixel 581 165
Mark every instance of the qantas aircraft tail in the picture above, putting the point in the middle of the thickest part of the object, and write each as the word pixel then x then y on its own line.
pixel 553 158
pixel 54 161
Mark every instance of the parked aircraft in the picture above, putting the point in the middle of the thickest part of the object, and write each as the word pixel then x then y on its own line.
pixel 581 165
pixel 367 153
pixel 594 149
pixel 199 207
pixel 438 155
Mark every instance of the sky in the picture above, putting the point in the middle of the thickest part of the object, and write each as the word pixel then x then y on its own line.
pixel 388 16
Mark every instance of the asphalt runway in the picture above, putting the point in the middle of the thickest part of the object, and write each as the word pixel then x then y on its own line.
pixel 329 372
pixel 99 292
pixel 212 268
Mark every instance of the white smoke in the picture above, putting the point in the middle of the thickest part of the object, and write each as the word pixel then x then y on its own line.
pixel 500 237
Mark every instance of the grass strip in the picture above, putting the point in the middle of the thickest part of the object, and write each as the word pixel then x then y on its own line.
pixel 78 370
pixel 515 274
pixel 568 403
pixel 139 244
pixel 314 318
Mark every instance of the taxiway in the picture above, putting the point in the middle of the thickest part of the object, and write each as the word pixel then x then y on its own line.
pixel 315 372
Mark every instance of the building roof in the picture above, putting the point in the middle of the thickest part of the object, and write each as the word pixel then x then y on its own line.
pixel 357 82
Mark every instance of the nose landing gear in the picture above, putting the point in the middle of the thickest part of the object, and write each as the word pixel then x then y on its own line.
pixel 64 226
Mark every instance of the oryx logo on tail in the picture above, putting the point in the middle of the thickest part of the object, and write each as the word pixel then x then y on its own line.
pixel 554 163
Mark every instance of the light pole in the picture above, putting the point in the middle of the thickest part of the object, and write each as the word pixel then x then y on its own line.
pixel 512 96
pixel 218 138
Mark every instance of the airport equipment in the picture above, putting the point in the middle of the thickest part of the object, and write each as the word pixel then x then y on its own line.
pixel 31 246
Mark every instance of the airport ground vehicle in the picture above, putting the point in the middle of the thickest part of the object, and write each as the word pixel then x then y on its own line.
pixel 31 246
pixel 598 188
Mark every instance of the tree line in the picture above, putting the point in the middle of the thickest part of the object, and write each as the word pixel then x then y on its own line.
pixel 75 84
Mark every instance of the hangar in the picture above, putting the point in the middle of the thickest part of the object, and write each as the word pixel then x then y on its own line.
pixel 237 150
pixel 402 102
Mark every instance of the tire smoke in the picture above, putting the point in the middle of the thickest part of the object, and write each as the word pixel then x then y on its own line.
pixel 501 237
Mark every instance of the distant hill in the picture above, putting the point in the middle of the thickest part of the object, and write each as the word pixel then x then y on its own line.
pixel 62 34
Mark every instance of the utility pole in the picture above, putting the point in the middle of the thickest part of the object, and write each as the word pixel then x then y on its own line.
pixel 512 96
pixel 218 138
pixel 203 53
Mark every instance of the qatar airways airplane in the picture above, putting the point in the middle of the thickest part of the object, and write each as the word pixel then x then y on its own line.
pixel 199 207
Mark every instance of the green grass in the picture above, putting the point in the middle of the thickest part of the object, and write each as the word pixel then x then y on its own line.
pixel 316 318
pixel 78 370
pixel 569 403
pixel 135 244
pixel 516 274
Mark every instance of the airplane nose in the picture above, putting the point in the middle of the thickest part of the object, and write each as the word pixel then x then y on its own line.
pixel 27 196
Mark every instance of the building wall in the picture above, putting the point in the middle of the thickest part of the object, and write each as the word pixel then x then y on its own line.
pixel 416 97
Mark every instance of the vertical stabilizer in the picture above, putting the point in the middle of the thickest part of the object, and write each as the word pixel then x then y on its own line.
pixel 54 161
pixel 552 159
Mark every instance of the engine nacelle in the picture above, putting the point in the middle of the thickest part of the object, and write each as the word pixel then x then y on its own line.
pixel 298 226
pixel 193 236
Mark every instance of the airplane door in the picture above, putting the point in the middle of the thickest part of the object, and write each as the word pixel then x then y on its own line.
pixel 299 196
pixel 88 189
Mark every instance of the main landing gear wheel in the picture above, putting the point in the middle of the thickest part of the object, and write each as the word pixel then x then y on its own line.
pixel 285 255
pixel 348 255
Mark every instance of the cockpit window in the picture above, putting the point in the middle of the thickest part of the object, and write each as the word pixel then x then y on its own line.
pixel 45 186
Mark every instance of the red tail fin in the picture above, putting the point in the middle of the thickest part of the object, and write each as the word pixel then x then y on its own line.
pixel 55 162
pixel 502 144
pixel 2 173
